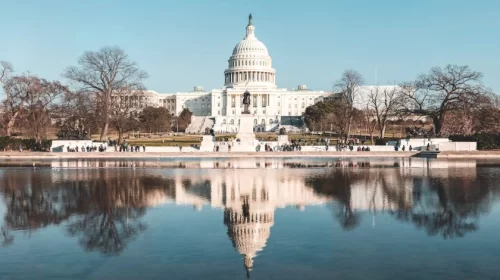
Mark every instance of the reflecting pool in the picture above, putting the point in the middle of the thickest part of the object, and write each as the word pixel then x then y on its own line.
pixel 261 218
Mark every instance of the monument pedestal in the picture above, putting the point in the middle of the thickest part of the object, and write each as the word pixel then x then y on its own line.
pixel 207 144
pixel 247 141
pixel 282 139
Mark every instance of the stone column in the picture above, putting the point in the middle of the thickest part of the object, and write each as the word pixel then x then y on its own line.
pixel 237 105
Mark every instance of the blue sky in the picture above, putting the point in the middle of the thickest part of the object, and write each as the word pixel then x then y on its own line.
pixel 186 43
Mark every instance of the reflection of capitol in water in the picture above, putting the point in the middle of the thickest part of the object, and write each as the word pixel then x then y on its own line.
pixel 250 190
pixel 249 198
pixel 250 194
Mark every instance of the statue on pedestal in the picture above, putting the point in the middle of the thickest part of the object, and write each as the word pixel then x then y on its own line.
pixel 246 102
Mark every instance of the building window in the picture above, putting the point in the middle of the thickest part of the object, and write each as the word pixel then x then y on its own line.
pixel 270 121
pixel 264 112
pixel 223 121
pixel 295 105
pixel 278 104
pixel 255 101
pixel 303 105
pixel 279 112
pixel 233 112
pixel 255 112
pixel 264 100
pixel 231 121
pixel 218 104
pixel 233 102
pixel 255 121
pixel 218 113
pixel 263 121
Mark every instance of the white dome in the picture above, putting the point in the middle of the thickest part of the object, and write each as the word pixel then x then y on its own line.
pixel 250 46
pixel 250 63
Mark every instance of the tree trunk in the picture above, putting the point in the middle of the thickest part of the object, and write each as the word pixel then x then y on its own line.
pixel 349 123
pixel 438 124
pixel 382 131
pixel 10 125
pixel 120 135
pixel 104 131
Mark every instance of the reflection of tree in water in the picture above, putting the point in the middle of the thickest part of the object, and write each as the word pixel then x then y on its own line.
pixel 451 209
pixel 30 205
pixel 103 210
pixel 7 237
pixel 338 185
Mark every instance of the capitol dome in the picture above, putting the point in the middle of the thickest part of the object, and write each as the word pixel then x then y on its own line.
pixel 250 63
pixel 250 46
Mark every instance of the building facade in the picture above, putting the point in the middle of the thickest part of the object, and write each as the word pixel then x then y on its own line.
pixel 249 68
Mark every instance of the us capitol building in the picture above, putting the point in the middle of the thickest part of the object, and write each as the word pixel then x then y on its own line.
pixel 249 69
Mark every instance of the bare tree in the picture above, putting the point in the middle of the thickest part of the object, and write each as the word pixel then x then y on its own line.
pixel 104 73
pixel 78 117
pixel 385 104
pixel 42 103
pixel 370 122
pixel 5 70
pixel 348 86
pixel 33 98
pixel 124 111
pixel 444 90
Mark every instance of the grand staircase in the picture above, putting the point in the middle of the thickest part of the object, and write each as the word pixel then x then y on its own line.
pixel 199 124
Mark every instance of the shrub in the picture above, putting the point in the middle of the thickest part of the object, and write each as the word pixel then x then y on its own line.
pixel 380 142
pixel 27 144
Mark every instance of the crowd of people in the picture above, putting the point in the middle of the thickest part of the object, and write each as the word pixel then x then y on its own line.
pixel 88 149
pixel 125 147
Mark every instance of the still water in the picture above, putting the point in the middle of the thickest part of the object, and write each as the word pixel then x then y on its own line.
pixel 259 218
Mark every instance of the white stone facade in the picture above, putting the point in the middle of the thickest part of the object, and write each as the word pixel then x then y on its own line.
pixel 249 69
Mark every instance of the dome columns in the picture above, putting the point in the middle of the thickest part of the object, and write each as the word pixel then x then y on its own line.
pixel 242 77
